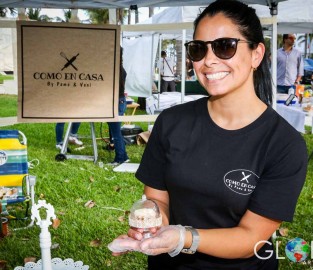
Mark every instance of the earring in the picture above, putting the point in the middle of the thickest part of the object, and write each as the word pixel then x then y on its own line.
pixel 255 69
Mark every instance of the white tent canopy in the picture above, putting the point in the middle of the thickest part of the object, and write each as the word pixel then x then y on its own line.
pixel 6 49
pixel 170 21
pixel 114 3
pixel 138 59
pixel 294 16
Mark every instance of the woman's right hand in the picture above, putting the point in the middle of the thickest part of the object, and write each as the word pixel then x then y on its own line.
pixel 123 244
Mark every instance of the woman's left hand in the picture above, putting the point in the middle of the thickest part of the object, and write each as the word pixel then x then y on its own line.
pixel 169 239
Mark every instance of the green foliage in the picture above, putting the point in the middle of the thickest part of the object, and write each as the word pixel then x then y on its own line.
pixel 67 16
pixel 8 105
pixel 5 11
pixel 5 77
pixel 34 14
pixel 98 16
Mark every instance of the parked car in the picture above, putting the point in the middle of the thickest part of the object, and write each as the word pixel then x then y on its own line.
pixel 308 71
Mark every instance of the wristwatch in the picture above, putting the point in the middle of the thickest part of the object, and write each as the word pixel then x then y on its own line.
pixel 194 243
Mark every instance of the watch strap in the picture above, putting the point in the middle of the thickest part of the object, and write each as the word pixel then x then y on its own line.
pixel 194 243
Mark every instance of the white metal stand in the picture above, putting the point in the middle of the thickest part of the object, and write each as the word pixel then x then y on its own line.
pixel 46 263
pixel 63 156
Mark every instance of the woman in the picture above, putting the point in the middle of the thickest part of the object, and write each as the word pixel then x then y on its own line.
pixel 225 164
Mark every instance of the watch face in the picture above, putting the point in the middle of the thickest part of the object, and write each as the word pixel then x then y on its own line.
pixel 187 251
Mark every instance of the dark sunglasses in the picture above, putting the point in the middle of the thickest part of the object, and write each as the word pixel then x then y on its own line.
pixel 223 48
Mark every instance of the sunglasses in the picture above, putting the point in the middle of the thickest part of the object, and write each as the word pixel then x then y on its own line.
pixel 223 48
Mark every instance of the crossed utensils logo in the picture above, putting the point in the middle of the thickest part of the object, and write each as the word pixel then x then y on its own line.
pixel 245 177
pixel 241 181
pixel 69 61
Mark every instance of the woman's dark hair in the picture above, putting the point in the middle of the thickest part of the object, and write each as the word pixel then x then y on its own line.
pixel 250 27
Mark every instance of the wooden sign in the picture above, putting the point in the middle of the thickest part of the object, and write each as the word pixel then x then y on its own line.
pixel 67 72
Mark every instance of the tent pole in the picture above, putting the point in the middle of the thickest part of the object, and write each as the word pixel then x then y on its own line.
pixel 183 67
pixel 159 84
pixel 274 60
pixel 152 66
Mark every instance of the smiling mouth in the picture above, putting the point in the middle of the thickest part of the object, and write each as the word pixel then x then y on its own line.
pixel 216 76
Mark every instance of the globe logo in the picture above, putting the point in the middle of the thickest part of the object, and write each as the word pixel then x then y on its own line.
pixel 297 250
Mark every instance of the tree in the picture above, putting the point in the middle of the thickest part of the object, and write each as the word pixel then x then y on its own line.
pixel 4 11
pixel 121 13
pixel 279 41
pixel 34 14
pixel 67 16
pixel 306 39
pixel 98 16
pixel 151 11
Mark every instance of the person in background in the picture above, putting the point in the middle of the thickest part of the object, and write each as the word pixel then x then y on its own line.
pixel 166 70
pixel 222 169
pixel 59 130
pixel 290 66
pixel 116 137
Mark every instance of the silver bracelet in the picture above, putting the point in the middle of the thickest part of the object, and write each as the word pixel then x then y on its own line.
pixel 194 243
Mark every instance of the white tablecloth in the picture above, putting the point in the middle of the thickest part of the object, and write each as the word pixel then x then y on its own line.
pixel 294 115
pixel 166 100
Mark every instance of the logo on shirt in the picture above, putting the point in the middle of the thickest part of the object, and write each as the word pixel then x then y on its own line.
pixel 3 157
pixel 241 181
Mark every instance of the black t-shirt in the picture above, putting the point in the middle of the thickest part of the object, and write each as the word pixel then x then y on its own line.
pixel 214 175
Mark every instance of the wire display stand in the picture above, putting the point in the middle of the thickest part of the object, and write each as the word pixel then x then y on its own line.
pixel 63 154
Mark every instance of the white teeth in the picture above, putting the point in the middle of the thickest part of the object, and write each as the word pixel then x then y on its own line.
pixel 217 76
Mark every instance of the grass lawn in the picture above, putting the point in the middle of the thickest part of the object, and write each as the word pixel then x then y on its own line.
pixel 84 232
pixel 5 77
pixel 8 105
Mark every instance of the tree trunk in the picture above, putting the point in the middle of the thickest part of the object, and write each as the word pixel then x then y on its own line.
pixel 129 16
pixel 136 16
pixel 151 11
pixel 119 15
